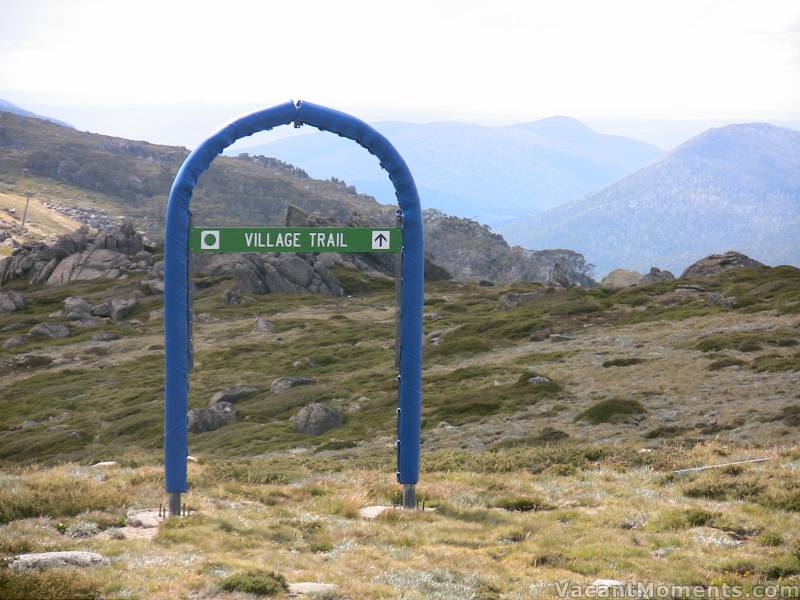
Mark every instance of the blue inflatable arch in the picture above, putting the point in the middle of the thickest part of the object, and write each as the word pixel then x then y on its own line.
pixel 177 309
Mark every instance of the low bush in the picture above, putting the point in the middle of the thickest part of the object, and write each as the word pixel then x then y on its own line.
pixel 256 581
pixel 611 411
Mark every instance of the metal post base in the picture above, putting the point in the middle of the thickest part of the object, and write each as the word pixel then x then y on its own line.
pixel 174 504
pixel 409 495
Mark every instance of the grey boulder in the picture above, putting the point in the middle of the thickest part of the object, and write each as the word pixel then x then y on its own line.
pixel 51 560
pixel 263 325
pixel 317 418
pixel 77 309
pixel 209 419
pixel 121 307
pixel 11 301
pixel 49 330
pixel 14 341
pixel 284 383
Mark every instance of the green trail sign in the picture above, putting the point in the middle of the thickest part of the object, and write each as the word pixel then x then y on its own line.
pixel 296 239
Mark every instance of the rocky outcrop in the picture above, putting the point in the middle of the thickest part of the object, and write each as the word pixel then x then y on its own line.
pixel 316 419
pixel 374 262
pixel 718 263
pixel 620 278
pixel 269 274
pixel 469 250
pixel 209 419
pixel 11 301
pixel 91 264
pixel 656 275
pixel 77 256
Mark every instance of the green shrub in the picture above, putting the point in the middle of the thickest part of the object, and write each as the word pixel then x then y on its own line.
pixel 256 581
pixel 611 411
pixel 725 362
pixel 622 362
pixel 452 346
pixel 714 489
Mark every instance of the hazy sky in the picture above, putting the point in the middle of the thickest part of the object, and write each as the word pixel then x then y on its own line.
pixel 499 59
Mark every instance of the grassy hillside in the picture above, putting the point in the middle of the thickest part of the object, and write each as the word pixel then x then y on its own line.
pixel 696 369
pixel 547 458
pixel 132 179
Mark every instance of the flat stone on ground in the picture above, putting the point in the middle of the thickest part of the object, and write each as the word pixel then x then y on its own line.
pixel 373 512
pixel 144 517
pixel 311 588
pixel 49 560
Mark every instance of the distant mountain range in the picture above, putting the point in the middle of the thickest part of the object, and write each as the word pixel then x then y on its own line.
pixel 492 174
pixel 735 187
pixel 6 106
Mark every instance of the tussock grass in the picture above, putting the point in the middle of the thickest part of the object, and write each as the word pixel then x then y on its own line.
pixel 57 584
pixel 42 493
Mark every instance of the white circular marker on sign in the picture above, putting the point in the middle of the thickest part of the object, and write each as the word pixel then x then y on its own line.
pixel 209 239
pixel 380 240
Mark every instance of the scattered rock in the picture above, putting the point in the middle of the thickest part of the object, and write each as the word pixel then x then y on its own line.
pixel 121 307
pixel 561 337
pixel 49 330
pixel 102 310
pixel 621 278
pixel 284 383
pixel 718 263
pixel 233 394
pixel 656 275
pixel 538 379
pixel 688 287
pixel 514 299
pixel 156 315
pixel 14 326
pixel 50 560
pixel 14 341
pixel 316 418
pixel 720 300
pixel 104 463
pixel 231 296
pixel 31 361
pixel 77 309
pixel 105 336
pixel 209 419
pixel 152 286
pixel 263 325
pixel 11 301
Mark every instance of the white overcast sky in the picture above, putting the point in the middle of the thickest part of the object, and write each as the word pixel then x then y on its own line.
pixel 669 59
